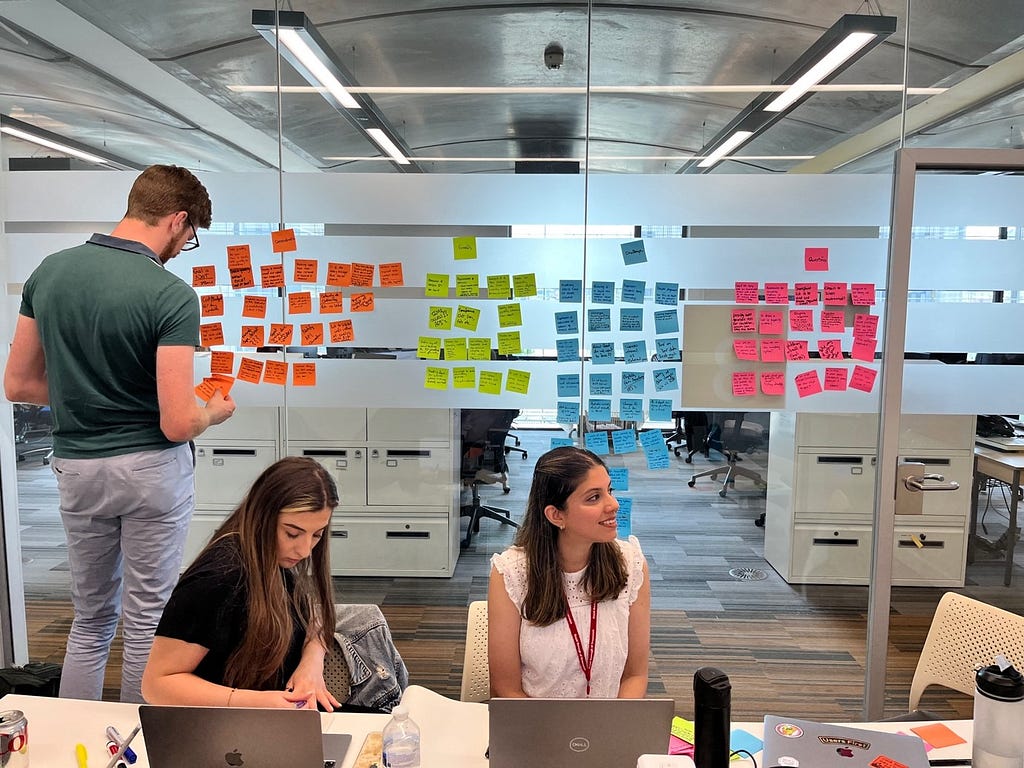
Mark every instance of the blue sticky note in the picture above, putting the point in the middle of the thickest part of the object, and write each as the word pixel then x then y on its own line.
pixel 568 385
pixel 567 322
pixel 620 478
pixel 597 442
pixel 665 379
pixel 624 441
pixel 738 739
pixel 651 438
pixel 666 321
pixel 602 353
pixel 623 518
pixel 632 382
pixel 631 409
pixel 570 291
pixel 599 409
pixel 667 348
pixel 568 350
pixel 600 383
pixel 631 319
pixel 599 319
pixel 658 459
pixel 666 293
pixel 660 410
pixel 602 292
pixel 633 291
pixel 560 442
pixel 633 252
pixel 635 351
pixel 568 412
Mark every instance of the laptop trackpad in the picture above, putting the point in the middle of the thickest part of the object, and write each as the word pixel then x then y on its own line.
pixel 335 747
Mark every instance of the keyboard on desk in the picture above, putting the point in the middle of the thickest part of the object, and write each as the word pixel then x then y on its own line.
pixel 1005 444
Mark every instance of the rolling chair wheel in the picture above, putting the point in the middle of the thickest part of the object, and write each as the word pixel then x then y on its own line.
pixel 524 455
pixel 676 452
pixel 692 483
pixel 505 490
pixel 689 459
pixel 722 493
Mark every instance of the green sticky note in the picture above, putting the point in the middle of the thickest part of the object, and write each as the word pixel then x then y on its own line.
pixel 437 285
pixel 467 317
pixel 480 348
pixel 467 285
pixel 429 348
pixel 435 378
pixel 464 378
pixel 682 729
pixel 508 343
pixel 455 348
pixel 490 382
pixel 525 285
pixel 440 319
pixel 465 247
pixel 499 287
pixel 509 315
pixel 517 381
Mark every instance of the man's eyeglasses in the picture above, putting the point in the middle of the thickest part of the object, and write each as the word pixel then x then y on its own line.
pixel 193 242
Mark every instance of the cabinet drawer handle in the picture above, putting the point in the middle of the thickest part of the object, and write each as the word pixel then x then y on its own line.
pixel 836 542
pixel 924 544
pixel 407 535
pixel 234 451
pixel 339 534
pixel 840 459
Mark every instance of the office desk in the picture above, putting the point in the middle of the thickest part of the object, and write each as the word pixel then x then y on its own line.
pixel 1007 468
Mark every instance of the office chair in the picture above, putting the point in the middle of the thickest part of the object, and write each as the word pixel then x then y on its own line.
pixel 736 438
pixel 697 435
pixel 476 677
pixel 515 447
pixel 678 434
pixel 483 462
pixel 33 432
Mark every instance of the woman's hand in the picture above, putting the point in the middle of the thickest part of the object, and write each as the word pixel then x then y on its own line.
pixel 307 683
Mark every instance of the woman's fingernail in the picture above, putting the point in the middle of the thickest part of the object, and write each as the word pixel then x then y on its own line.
pixel 300 704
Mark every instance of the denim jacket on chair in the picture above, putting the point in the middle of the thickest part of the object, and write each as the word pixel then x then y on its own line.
pixel 378 673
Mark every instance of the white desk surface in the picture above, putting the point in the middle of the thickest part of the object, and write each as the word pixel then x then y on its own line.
pixel 453 733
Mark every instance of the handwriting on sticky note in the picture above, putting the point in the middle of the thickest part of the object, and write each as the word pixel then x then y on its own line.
pixel 222 362
pixel 517 381
pixel 816 259
pixel 805 293
pixel 467 318
pixel 455 348
pixel 362 275
pixel 490 382
pixel 464 247
pixel 801 320
pixel 743 321
pixel 865 326
pixel 211 334
pixel 204 277
pixel 361 302
pixel 464 377
pixel 864 349
pixel 429 348
pixel 745 349
pixel 239 256
pixel 312 334
pixel 746 292
pixel 281 334
pixel 254 306
pixel 304 374
pixel 807 383
pixel 773 383
pixel 862 294
pixel 242 278
pixel 863 378
pixel 300 303
pixel 212 304
pixel 509 315
pixel 773 350
pixel 832 321
pixel 509 343
pixel 272 275
pixel 796 349
pixel 252 336
pixel 769 323
pixel 776 293
pixel 435 377
pixel 436 285
pixel 499 287
pixel 305 271
pixel 467 285
pixel 835 294
pixel 331 303
pixel 439 318
pixel 341 330
pixel 830 349
pixel 275 372
pixel 524 284
pixel 283 241
pixel 480 348
pixel 835 379
pixel 250 370
pixel 391 274
pixel 744 384
pixel 339 274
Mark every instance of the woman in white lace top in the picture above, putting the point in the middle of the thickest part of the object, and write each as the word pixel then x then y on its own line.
pixel 569 605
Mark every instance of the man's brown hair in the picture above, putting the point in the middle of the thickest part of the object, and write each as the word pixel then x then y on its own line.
pixel 164 189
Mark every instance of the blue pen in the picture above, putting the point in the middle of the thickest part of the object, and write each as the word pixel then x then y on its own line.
pixel 116 737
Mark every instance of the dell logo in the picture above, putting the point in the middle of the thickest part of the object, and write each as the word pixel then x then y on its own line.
pixel 579 744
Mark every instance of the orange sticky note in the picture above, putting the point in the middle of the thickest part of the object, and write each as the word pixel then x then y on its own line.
pixel 339 274
pixel 239 257
pixel 746 292
pixel 242 278
pixel 305 270
pixel 776 293
pixel 362 275
pixel 252 336
pixel 254 306
pixel 796 349
pixel 807 383
pixel 331 303
pixel 745 349
pixel 773 350
pixel 938 735
pixel 743 321
pixel 222 382
pixel 205 389
pixel 275 372
pixel 835 294
pixel 391 275
pixel 863 378
pixel 211 334
pixel 281 334
pixel 222 362
pixel 744 384
pixel 801 320
pixel 832 321
pixel 769 322
pixel 361 302
pixel 773 382
pixel 312 334
pixel 304 375
pixel 835 379
pixel 203 277
pixel 212 304
pixel 300 303
pixel 805 293
pixel 272 275
pixel 283 241
pixel 341 330
pixel 830 349
pixel 250 370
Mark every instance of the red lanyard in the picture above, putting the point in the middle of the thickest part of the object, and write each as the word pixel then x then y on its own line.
pixel 586 662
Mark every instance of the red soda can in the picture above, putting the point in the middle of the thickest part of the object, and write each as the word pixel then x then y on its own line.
pixel 13 739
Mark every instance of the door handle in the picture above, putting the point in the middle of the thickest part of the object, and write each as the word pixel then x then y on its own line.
pixel 938 483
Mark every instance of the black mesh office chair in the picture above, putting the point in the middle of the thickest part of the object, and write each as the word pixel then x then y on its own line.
pixel 736 437
pixel 33 432
pixel 696 432
pixel 484 433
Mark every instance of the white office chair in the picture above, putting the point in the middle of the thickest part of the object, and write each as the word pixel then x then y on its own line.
pixel 476 678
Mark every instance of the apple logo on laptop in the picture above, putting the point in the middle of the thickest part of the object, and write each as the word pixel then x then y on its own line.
pixel 844 751
pixel 234 758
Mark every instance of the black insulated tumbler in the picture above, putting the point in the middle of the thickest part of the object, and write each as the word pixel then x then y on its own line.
pixel 712 695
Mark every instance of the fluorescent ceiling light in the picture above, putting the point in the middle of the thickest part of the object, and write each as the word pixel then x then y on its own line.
pixel 725 148
pixel 580 90
pixel 291 40
pixel 64 148
pixel 387 145
pixel 853 43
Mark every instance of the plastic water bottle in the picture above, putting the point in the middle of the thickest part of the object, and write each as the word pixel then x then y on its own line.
pixel 998 715
pixel 401 737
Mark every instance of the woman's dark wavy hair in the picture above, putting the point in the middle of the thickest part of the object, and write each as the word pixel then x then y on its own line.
pixel 557 475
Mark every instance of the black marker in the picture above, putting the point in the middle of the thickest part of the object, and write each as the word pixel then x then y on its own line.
pixel 951 761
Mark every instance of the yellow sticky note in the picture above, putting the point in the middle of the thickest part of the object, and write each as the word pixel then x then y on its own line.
pixel 682 729
pixel 508 343
pixel 435 378
pixel 429 348
pixel 525 284
pixel 467 285
pixel 509 315
pixel 490 382
pixel 440 319
pixel 480 348
pixel 467 317
pixel 436 285
pixel 464 378
pixel 465 247
pixel 455 348
pixel 517 381
pixel 499 287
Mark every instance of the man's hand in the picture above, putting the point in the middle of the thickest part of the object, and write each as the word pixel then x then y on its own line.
pixel 219 408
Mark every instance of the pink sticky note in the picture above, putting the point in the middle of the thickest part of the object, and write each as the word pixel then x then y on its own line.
pixel 865 326
pixel 806 293
pixel 743 321
pixel 744 384
pixel 863 378
pixel 835 294
pixel 746 292
pixel 862 294
pixel 773 382
pixel 835 379
pixel 776 293
pixel 816 259
pixel 807 383
pixel 832 321
pixel 830 349
pixel 769 323
pixel 801 320
pixel 745 349
pixel 864 349
pixel 796 349
pixel 773 351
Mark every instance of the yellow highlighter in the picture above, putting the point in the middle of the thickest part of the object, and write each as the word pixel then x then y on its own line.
pixel 81 756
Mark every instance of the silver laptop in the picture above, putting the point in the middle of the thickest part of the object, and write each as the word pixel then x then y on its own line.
pixel 218 737
pixel 588 733
pixel 792 742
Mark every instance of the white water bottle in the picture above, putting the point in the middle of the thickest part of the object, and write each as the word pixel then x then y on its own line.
pixel 998 716
pixel 401 737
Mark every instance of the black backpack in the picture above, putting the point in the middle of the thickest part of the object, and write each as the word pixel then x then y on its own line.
pixel 37 678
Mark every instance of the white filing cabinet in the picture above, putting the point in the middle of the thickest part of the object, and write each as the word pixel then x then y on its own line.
pixel 820 507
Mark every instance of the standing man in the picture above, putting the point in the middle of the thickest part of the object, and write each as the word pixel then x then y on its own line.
pixel 106 337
